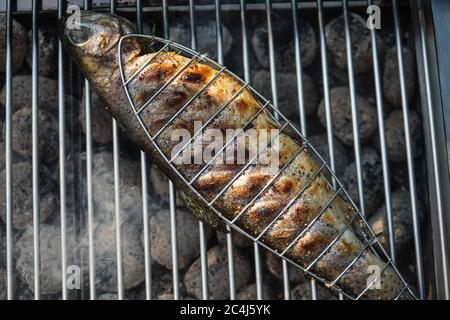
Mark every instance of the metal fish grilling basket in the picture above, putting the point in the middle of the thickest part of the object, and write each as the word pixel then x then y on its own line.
pixel 357 222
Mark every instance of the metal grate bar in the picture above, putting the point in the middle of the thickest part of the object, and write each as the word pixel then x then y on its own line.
pixel 326 96
pixel 355 114
pixel 145 215
pixel 298 69
pixel 201 225
pixel 92 277
pixel 147 244
pixel 273 83
pixel 35 149
pixel 383 146
pixel 62 158
pixel 8 156
pixel 246 65
pixel 90 200
pixel 118 219
pixel 230 250
pixel 409 154
pixel 172 193
pixel 301 100
pixel 434 151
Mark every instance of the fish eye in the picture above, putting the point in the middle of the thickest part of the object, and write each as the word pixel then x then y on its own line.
pixel 78 36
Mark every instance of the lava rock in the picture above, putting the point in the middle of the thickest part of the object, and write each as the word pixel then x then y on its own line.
pixel 3 286
pixel 22 93
pixel 275 266
pixel 395 135
pixel 361 42
pixel 288 92
pixel 170 296
pixel 2 155
pixel 283 42
pixel 402 221
pixel 50 249
pixel 22 192
pixel 399 174
pixel 372 176
pixel 338 77
pixel 342 116
pixel 320 143
pixel 239 240
pixel 101 121
pixel 22 134
pixel 303 292
pixel 108 296
pixel 132 256
pixel 47 44
pixel 218 274
pixel 391 80
pixel 165 296
pixel 23 292
pixel 130 202
pixel 161 280
pixel 187 235
pixel 19 43
pixel 104 190
pixel 2 247
pixel 160 184
pixel 130 172
pixel 180 32
pixel 249 292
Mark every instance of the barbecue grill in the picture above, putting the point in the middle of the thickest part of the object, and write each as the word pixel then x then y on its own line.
pixel 414 22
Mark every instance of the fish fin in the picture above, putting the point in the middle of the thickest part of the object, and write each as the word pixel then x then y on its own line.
pixel 203 213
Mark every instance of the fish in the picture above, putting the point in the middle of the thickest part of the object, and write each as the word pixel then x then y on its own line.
pixel 156 95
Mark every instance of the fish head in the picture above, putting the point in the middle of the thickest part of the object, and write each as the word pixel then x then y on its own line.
pixel 92 40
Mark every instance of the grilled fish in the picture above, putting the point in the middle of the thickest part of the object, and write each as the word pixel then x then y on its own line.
pixel 294 210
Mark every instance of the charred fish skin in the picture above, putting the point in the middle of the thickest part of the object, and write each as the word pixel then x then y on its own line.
pixel 325 244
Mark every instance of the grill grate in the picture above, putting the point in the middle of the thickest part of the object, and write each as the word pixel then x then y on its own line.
pixel 192 8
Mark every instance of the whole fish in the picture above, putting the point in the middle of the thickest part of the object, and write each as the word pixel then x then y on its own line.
pixel 292 210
